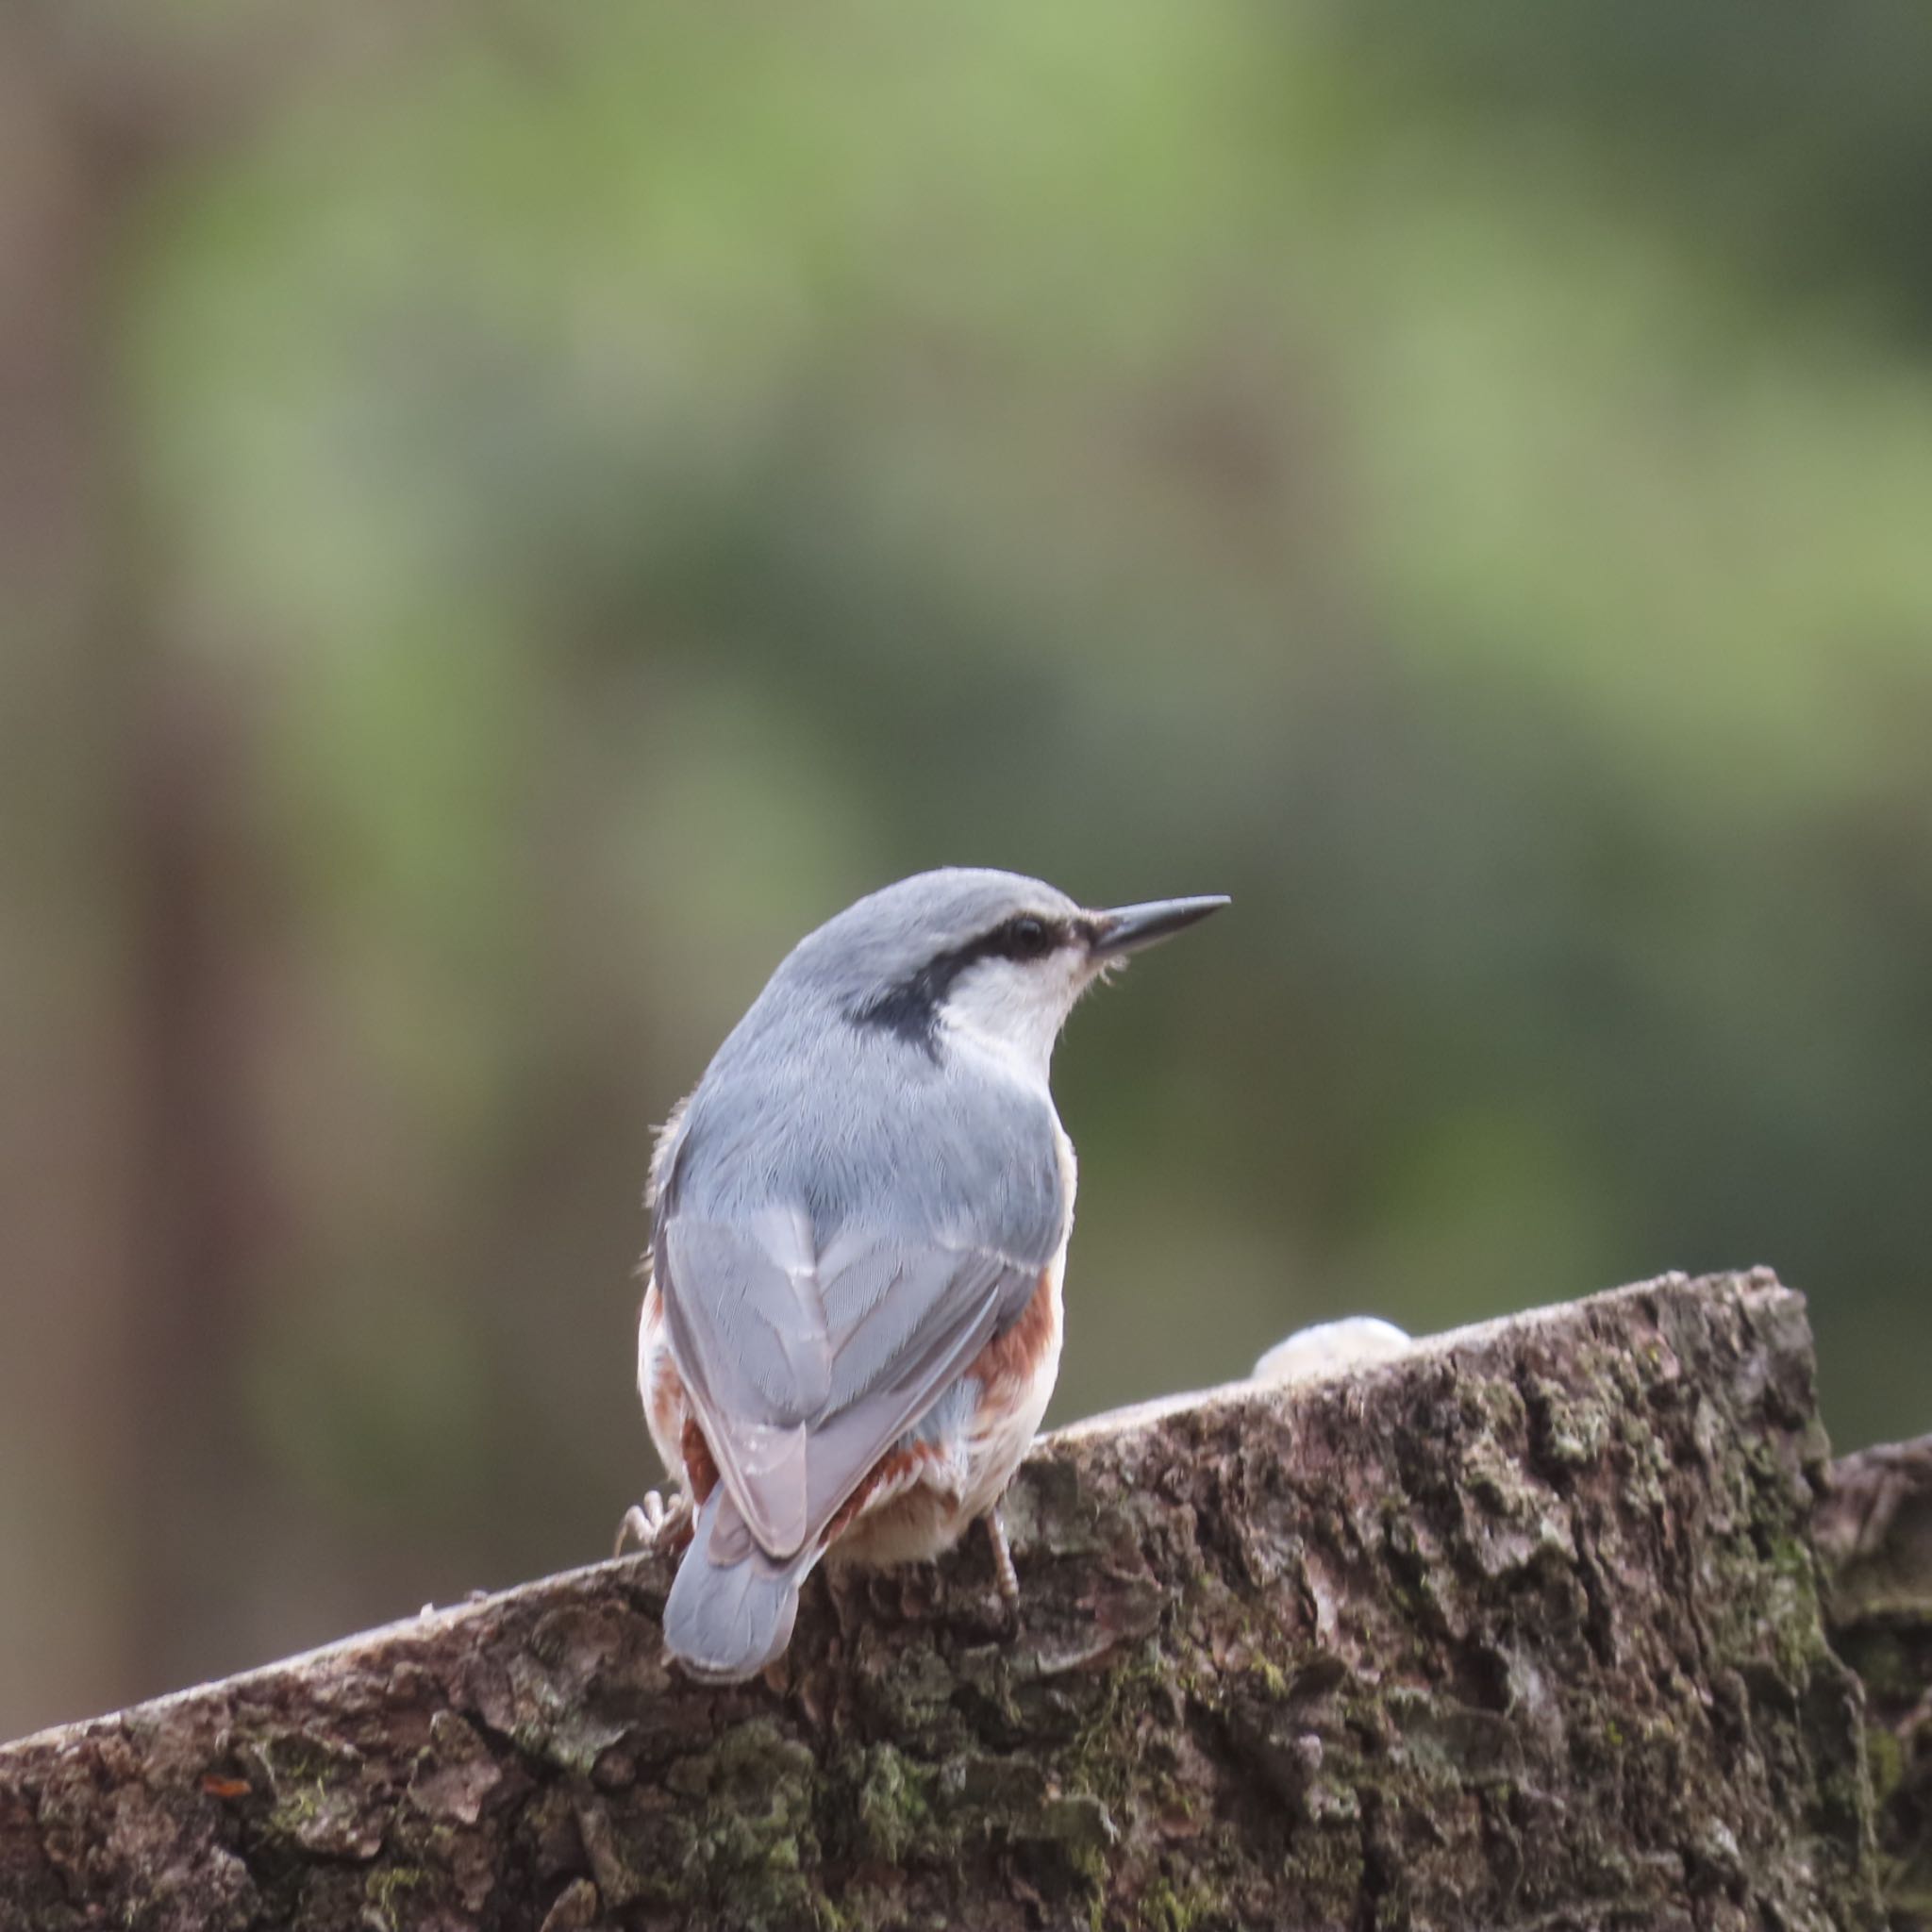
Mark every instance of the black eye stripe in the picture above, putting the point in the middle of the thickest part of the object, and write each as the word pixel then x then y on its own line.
pixel 910 1009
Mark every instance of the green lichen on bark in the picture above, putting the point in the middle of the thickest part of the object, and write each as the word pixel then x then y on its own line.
pixel 1520 1628
pixel 1874 1533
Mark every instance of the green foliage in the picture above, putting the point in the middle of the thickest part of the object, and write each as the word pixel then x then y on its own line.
pixel 684 472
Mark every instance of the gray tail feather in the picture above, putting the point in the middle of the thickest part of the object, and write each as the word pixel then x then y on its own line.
pixel 726 1617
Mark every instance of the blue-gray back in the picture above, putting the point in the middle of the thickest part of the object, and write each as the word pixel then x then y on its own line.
pixel 843 1220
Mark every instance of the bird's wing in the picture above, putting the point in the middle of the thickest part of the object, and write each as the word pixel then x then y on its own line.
pixel 806 1366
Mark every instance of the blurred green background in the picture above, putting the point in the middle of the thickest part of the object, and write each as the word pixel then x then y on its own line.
pixel 510 514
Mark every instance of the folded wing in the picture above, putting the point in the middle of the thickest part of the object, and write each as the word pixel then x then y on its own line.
pixel 805 1367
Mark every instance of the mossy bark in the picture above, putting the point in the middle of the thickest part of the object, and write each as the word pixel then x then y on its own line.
pixel 1875 1530
pixel 1522 1629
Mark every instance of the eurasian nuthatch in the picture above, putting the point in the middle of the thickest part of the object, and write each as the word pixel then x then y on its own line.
pixel 860 1228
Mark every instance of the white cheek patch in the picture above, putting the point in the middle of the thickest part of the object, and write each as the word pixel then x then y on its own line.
pixel 1016 1009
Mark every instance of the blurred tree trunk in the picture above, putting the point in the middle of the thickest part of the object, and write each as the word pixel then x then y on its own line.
pixel 1520 1628
pixel 72 159
pixel 136 1199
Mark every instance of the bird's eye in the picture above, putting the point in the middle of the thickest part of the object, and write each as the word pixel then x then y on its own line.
pixel 1028 938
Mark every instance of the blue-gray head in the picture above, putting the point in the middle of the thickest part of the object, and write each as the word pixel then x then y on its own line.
pixel 989 959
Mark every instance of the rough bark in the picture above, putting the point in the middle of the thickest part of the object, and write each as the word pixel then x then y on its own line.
pixel 1519 1629
pixel 1875 1531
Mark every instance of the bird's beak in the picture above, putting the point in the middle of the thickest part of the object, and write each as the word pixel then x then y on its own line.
pixel 1128 929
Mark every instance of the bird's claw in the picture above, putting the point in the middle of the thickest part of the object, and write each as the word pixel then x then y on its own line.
pixel 655 1525
pixel 1003 1575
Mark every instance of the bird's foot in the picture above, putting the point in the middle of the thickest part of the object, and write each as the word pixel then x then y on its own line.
pixel 654 1524
pixel 1003 1575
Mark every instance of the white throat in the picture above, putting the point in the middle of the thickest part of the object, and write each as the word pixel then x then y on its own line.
pixel 1013 1013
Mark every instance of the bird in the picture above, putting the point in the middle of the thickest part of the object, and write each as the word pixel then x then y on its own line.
pixel 860 1217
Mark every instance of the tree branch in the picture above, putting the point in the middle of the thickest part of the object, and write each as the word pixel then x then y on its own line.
pixel 1520 1628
